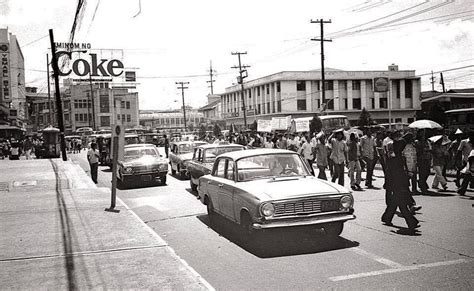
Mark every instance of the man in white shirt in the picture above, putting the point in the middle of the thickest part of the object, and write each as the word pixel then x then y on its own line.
pixel 93 158
pixel 307 152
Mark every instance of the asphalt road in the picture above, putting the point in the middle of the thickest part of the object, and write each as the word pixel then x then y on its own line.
pixel 368 255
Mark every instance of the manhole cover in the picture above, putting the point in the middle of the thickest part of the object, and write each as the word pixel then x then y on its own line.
pixel 4 186
pixel 24 183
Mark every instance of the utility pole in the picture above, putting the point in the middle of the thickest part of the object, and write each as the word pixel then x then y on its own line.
pixel 242 75
pixel 92 104
pixel 211 81
pixel 433 78
pixel 442 82
pixel 182 87
pixel 49 93
pixel 59 106
pixel 322 40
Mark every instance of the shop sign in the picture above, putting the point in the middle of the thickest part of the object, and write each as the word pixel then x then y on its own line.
pixel 5 95
pixel 95 68
pixel 381 84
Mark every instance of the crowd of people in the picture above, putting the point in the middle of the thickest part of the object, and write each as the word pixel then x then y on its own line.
pixel 13 148
pixel 407 159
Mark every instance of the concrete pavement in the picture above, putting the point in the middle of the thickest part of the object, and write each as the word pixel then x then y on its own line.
pixel 55 234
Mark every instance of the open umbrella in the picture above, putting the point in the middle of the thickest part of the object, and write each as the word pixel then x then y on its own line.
pixel 424 123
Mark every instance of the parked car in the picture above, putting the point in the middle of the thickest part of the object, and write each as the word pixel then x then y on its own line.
pixel 271 188
pixel 203 160
pixel 142 163
pixel 180 153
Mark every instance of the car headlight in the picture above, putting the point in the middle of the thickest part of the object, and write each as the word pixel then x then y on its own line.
pixel 346 202
pixel 267 209
pixel 127 170
pixel 163 167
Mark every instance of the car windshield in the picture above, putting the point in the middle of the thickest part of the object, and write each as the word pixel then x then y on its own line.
pixel 185 148
pixel 270 165
pixel 139 152
pixel 211 154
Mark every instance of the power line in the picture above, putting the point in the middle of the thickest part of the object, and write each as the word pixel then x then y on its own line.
pixel 242 74
pixel 322 40
pixel 211 81
pixel 36 40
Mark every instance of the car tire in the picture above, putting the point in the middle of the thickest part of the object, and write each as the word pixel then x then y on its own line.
pixel 334 229
pixel 173 172
pixel 249 234
pixel 194 187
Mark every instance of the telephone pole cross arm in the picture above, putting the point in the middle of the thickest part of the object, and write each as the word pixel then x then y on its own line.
pixel 182 87
pixel 240 80
pixel 322 40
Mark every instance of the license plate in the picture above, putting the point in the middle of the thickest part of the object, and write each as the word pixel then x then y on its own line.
pixel 328 205
pixel 146 178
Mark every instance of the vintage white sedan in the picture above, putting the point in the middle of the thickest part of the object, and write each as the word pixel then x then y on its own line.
pixel 271 188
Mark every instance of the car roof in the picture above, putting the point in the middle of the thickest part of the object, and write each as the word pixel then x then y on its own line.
pixel 212 146
pixel 254 152
pixel 139 145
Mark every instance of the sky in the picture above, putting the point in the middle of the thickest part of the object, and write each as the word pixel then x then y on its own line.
pixel 172 41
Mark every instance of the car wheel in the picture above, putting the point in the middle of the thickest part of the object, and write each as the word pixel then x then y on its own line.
pixel 334 229
pixel 248 232
pixel 194 187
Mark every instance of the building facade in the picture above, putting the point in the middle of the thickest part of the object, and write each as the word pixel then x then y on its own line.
pixel 346 92
pixel 12 80
pixel 212 111
pixel 172 120
pixel 41 110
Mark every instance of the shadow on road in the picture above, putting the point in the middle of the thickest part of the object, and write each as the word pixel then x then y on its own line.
pixel 279 242
pixel 439 194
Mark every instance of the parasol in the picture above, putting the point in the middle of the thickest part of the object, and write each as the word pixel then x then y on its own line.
pixel 424 123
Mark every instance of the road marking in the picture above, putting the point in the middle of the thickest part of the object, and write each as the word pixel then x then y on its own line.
pixel 377 258
pixel 170 249
pixel 396 270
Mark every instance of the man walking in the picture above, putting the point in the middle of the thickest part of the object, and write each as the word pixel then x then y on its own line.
pixel 27 147
pixel 167 145
pixel 338 155
pixel 93 156
pixel 367 145
pixel 354 165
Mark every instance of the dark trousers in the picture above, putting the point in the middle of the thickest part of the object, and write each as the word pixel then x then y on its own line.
pixel 423 174
pixel 466 179
pixel 338 173
pixel 310 164
pixel 400 200
pixel 94 168
pixel 322 172
pixel 370 171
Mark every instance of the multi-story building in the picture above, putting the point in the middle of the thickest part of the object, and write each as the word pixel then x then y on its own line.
pixel 41 110
pixel 12 80
pixel 299 94
pixel 212 111
pixel 172 120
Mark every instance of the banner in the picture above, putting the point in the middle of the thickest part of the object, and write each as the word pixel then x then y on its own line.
pixel 301 125
pixel 264 125
pixel 280 123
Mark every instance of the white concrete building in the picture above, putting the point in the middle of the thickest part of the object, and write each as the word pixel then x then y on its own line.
pixel 171 120
pixel 298 94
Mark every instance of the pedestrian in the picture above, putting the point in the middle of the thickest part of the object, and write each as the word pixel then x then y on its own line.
pixel 354 165
pixel 467 173
pixel 338 155
pixel 367 145
pixel 439 162
pixel 423 156
pixel 409 155
pixel 166 144
pixel 321 156
pixel 307 152
pixel 397 185
pixel 464 150
pixel 27 147
pixel 457 160
pixel 93 156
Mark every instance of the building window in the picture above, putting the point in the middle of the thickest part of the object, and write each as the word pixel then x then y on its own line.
pixel 345 104
pixel 355 85
pixel 373 102
pixel 398 120
pixel 122 104
pixel 258 91
pixel 408 88
pixel 66 117
pixel 259 109
pixel 129 119
pixel 411 119
pixel 301 104
pixel 300 86
pixel 127 104
pixel 268 89
pixel 104 106
pixel 268 107
pixel 273 108
pixel 342 85
pixel 278 106
pixel 76 117
pixel 383 103
pixel 397 86
pixel 123 117
pixel 278 87
pixel 356 103
pixel 105 121
pixel 250 93
pixel 328 85
pixel 118 116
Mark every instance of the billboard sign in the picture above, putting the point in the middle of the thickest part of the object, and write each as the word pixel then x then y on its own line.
pixel 130 76
pixel 5 94
pixel 381 84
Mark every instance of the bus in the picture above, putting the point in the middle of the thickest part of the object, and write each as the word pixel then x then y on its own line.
pixel 333 122
pixel 460 118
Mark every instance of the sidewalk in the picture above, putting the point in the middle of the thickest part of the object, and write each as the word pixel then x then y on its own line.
pixel 55 234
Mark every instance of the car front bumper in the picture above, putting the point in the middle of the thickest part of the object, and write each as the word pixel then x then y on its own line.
pixel 303 221
pixel 143 177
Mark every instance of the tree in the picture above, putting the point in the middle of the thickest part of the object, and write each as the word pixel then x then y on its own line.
pixel 254 126
pixel 365 119
pixel 316 124
pixel 202 132
pixel 216 130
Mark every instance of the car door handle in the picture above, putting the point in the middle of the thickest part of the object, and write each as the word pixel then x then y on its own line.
pixel 220 185
pixel 209 182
